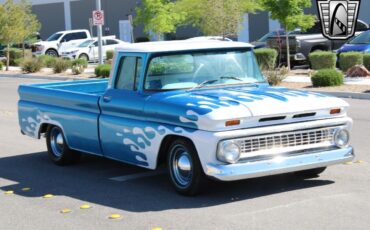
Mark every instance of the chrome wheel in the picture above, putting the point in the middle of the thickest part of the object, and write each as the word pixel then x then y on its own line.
pixel 52 53
pixel 181 166
pixel 56 142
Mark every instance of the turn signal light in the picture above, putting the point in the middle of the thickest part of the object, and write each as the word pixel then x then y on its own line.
pixel 232 122
pixel 335 111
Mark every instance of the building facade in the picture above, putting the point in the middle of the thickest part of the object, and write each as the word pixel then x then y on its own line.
pixel 56 15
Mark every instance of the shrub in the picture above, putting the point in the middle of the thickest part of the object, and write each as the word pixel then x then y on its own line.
pixel 78 66
pixel 322 60
pixel 350 59
pixel 31 65
pixel 110 54
pixel 18 62
pixel 103 70
pixel 275 77
pixel 266 58
pixel 367 61
pixel 61 65
pixel 327 77
pixel 14 54
pixel 48 61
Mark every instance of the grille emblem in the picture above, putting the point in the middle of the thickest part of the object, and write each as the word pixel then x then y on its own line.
pixel 338 18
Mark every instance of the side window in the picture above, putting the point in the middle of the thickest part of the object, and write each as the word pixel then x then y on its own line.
pixel 67 37
pixel 128 73
pixel 79 35
pixel 96 44
pixel 111 42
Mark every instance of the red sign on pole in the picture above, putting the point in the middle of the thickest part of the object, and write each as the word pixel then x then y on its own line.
pixel 98 17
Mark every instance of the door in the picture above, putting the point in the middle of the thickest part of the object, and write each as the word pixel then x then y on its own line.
pixel 122 109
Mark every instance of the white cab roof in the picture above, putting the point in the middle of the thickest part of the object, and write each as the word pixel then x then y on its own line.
pixel 173 46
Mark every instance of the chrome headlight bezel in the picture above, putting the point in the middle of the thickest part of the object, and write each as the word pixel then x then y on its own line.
pixel 228 151
pixel 342 138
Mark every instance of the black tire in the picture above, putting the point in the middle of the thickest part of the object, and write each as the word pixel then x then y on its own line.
pixel 311 173
pixel 58 150
pixel 195 179
pixel 52 52
pixel 84 56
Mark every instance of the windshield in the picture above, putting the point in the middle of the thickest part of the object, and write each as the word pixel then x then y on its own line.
pixel 363 38
pixel 196 70
pixel 54 37
pixel 86 43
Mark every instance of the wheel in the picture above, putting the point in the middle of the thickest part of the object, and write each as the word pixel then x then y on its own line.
pixel 185 170
pixel 311 173
pixel 84 56
pixel 58 150
pixel 52 52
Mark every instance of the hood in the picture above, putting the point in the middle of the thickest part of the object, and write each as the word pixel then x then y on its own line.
pixel 43 43
pixel 354 47
pixel 209 109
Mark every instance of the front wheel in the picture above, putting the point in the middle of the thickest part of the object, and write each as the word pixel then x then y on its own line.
pixel 184 168
pixel 52 52
pixel 58 150
pixel 84 57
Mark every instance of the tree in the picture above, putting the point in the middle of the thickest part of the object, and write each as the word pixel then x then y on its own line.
pixel 17 23
pixel 159 16
pixel 30 24
pixel 217 17
pixel 290 13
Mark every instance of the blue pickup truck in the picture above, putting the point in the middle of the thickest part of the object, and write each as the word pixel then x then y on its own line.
pixel 202 108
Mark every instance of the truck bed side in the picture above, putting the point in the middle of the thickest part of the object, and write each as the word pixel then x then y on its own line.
pixel 73 106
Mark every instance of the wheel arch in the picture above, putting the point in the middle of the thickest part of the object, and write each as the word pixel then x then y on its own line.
pixel 166 141
pixel 45 126
pixel 53 50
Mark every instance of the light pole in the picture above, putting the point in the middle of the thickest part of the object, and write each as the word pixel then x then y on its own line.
pixel 100 32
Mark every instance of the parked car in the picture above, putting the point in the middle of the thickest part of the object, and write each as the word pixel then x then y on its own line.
pixel 60 40
pixel 261 43
pixel 303 43
pixel 202 108
pixel 360 43
pixel 88 49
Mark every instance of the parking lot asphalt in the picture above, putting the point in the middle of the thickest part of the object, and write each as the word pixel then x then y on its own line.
pixel 338 199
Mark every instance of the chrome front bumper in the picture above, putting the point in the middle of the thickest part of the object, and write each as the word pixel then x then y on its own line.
pixel 279 165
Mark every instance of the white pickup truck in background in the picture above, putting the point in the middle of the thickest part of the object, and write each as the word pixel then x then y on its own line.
pixel 60 41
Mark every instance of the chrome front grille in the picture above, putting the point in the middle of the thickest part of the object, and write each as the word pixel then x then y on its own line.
pixel 286 142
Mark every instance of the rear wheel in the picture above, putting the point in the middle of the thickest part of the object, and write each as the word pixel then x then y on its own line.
pixel 58 150
pixel 184 168
pixel 84 57
pixel 311 173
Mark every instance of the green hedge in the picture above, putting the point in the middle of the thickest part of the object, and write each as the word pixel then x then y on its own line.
pixel 322 60
pixel 78 66
pixel 110 54
pixel 61 65
pixel 14 54
pixel 350 59
pixel 103 70
pixel 266 58
pixel 31 65
pixel 327 77
pixel 367 61
pixel 47 60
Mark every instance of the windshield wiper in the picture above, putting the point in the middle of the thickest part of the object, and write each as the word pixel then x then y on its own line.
pixel 233 78
pixel 204 83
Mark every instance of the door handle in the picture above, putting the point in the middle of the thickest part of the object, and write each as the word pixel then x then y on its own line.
pixel 107 98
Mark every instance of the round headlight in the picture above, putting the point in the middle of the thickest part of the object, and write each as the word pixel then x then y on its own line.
pixel 228 152
pixel 341 138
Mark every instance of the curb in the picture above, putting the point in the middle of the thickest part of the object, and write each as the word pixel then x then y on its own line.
pixel 43 77
pixel 361 96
